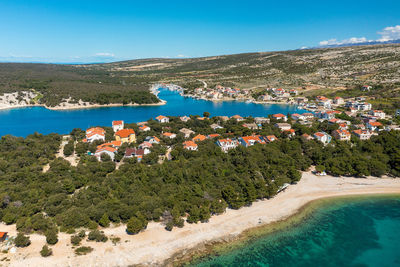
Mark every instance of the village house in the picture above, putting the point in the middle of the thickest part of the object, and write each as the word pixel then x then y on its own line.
pixel 215 126
pixel 114 144
pixel 265 97
pixel 186 132
pixel 279 117
pixel 145 145
pixel 223 118
pixel 366 88
pixel 283 126
pixel 377 113
pixel 297 116
pixel 323 102
pixel 95 133
pixel 144 128
pixel 227 144
pixel 308 116
pixel 293 92
pixel 327 115
pixel 125 136
pixel 301 100
pixel 362 134
pixel 247 141
pixel 184 118
pixel 251 126
pixel 162 119
pixel 136 152
pixel 307 136
pixel 373 125
pixel 117 125
pixel 210 136
pixel 237 118
pixel 341 135
pixel 393 127
pixel 290 132
pixel 110 151
pixel 270 138
pixel 3 236
pixel 260 120
pixel 199 138
pixel 190 145
pixel 338 101
pixel 322 137
pixel 152 140
pixel 169 135
pixel 141 123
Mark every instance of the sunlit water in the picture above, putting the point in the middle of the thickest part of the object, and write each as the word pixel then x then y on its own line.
pixel 356 233
pixel 24 121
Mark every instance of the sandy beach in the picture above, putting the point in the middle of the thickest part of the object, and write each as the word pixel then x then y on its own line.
pixel 155 245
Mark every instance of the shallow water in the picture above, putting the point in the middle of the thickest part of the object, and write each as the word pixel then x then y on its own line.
pixel 24 121
pixel 361 232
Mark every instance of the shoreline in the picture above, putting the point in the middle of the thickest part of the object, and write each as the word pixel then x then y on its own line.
pixel 156 246
pixel 226 245
pixel 76 106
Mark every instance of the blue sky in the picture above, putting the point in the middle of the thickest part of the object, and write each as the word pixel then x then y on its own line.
pixel 99 31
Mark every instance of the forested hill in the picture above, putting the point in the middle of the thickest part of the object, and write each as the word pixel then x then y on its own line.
pixel 327 69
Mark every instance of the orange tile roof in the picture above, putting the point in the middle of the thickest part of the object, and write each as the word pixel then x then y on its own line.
pixel 2 234
pixel 168 134
pixel 319 134
pixel 125 133
pixel 117 123
pixel 143 127
pixel 106 148
pixel 189 144
pixel 161 117
pixel 279 115
pixel 199 137
pixel 112 144
pixel 375 123
pixel 213 135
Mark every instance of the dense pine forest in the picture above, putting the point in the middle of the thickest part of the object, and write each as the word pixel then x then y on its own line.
pixel 192 186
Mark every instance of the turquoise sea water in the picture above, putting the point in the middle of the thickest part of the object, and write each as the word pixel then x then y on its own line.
pixel 362 232
pixel 24 121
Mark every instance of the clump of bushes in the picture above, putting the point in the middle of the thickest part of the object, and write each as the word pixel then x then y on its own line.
pixel 97 236
pixel 83 250
pixel 76 239
pixel 46 251
pixel 22 240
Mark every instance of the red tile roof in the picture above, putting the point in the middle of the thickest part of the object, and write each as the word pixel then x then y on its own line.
pixel 114 123
pixel 125 133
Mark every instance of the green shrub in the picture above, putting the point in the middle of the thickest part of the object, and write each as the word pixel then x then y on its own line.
pixel 22 241
pixel 97 236
pixel 46 251
pixel 83 250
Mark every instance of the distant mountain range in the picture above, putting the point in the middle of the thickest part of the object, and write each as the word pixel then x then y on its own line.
pixel 357 44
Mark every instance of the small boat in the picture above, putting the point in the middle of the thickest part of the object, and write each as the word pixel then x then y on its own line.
pixel 249 101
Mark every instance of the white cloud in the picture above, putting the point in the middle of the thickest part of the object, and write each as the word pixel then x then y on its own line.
pixel 105 54
pixel 352 40
pixel 180 56
pixel 389 33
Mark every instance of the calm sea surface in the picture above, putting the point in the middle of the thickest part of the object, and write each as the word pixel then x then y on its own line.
pixel 24 121
pixel 363 232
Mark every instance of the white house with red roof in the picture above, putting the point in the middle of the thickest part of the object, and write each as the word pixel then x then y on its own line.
pixel 169 135
pixel 373 125
pixel 144 128
pixel 270 138
pixel 95 133
pixel 279 116
pixel 297 116
pixel 190 145
pixel 110 151
pixel 227 144
pixel 377 113
pixel 362 134
pixel 323 137
pixel 117 125
pixel 342 135
pixel 162 119
pixel 247 141
pixel 338 101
